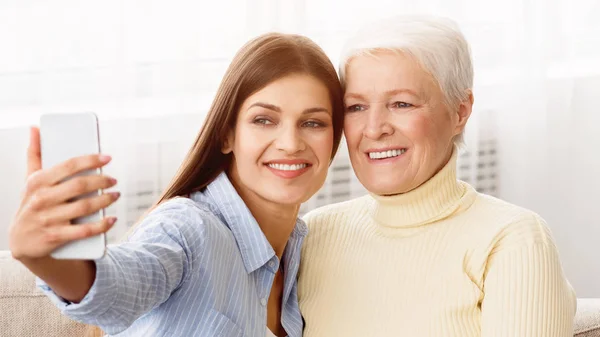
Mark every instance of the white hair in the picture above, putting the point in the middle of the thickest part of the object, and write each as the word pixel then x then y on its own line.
pixel 436 43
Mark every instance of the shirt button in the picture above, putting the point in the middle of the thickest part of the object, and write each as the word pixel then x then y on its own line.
pixel 271 264
pixel 263 302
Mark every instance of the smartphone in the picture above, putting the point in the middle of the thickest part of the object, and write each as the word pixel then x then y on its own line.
pixel 64 136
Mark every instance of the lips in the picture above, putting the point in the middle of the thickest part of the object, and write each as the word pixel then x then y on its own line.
pixel 384 154
pixel 288 168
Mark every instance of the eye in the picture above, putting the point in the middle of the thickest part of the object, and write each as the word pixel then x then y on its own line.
pixel 262 121
pixel 401 105
pixel 355 108
pixel 313 124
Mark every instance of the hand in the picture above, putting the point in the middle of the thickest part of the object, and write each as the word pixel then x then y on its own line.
pixel 42 222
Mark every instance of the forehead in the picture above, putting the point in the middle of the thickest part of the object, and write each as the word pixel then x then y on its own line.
pixel 385 71
pixel 292 90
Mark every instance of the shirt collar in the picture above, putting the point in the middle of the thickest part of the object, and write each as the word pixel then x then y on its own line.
pixel 255 248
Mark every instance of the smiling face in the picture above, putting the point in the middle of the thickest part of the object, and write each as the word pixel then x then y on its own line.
pixel 398 130
pixel 283 141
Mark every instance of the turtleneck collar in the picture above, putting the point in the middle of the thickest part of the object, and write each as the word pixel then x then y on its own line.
pixel 435 199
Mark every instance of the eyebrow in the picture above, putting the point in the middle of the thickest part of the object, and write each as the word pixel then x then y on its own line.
pixel 387 93
pixel 278 109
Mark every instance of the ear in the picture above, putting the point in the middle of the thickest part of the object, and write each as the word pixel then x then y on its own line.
pixel 228 143
pixel 463 113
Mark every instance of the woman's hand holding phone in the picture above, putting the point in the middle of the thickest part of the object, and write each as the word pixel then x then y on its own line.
pixel 42 222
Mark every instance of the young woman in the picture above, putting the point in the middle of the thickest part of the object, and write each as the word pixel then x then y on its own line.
pixel 219 254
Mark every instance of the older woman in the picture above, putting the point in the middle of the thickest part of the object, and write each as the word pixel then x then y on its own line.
pixel 424 254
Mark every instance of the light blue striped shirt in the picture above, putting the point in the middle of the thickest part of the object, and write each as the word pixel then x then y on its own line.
pixel 197 266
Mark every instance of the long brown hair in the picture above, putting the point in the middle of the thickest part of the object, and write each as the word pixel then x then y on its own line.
pixel 259 62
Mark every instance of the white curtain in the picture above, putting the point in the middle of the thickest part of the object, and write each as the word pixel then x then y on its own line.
pixel 152 57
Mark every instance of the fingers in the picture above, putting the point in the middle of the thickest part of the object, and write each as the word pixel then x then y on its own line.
pixel 50 196
pixel 59 235
pixel 75 165
pixel 34 157
pixel 69 211
pixel 79 186
pixel 58 173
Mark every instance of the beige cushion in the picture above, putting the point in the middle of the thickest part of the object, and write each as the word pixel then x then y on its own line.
pixel 587 321
pixel 25 310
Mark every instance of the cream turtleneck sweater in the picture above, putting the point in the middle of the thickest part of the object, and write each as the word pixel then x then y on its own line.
pixel 441 260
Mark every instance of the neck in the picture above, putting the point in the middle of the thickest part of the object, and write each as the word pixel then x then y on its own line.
pixel 276 221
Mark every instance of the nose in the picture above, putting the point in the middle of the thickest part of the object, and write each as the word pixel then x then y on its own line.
pixel 290 140
pixel 377 122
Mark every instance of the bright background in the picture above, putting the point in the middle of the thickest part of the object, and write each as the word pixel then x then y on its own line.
pixel 149 69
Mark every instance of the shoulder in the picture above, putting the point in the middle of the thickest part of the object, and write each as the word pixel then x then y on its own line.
pixel 182 211
pixel 185 207
pixel 510 225
pixel 180 216
pixel 338 215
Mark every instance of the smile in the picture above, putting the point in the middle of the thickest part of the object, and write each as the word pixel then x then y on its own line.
pixel 386 154
pixel 287 167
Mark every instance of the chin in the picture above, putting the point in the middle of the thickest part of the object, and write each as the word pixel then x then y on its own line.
pixel 288 196
pixel 296 193
pixel 379 187
pixel 381 190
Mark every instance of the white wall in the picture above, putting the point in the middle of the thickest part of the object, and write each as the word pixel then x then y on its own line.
pixel 13 143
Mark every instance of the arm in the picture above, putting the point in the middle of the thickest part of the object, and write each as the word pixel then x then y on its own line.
pixel 111 292
pixel 526 292
pixel 71 279
pixel 42 222
pixel 135 276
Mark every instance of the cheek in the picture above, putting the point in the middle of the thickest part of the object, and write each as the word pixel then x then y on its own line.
pixel 322 144
pixel 418 128
pixel 440 127
pixel 247 152
pixel 352 131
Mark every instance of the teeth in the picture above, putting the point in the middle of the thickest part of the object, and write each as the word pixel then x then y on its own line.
pixel 285 167
pixel 386 154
